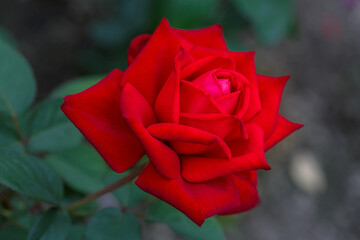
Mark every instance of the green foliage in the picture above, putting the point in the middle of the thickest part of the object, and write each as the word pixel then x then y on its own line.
pixel 80 212
pixel 31 176
pixel 121 23
pixel 163 212
pixel 75 86
pixel 48 129
pixel 20 210
pixel 81 167
pixel 76 232
pixel 9 139
pixel 130 194
pixel 271 19
pixel 53 225
pixel 111 224
pixel 13 233
pixel 186 13
pixel 17 83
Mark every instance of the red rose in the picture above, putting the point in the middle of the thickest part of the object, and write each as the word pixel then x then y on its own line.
pixel 199 111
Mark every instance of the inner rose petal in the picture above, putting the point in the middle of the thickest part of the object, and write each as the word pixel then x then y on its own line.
pixel 225 85
pixel 215 86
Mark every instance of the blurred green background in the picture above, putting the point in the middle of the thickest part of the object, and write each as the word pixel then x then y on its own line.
pixel 313 189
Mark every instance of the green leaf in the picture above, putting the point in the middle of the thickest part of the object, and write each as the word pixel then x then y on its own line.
pixel 76 232
pixel 26 220
pixel 81 167
pixel 75 86
pixel 163 212
pixel 7 37
pixel 48 129
pixel 20 205
pixel 9 139
pixel 17 82
pixel 272 20
pixel 31 176
pixel 128 195
pixel 53 225
pixel 196 11
pixel 13 233
pixel 111 224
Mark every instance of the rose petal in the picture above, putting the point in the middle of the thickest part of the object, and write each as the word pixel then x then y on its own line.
pixel 167 104
pixel 210 37
pixel 246 184
pixel 283 128
pixel 205 64
pixel 270 89
pixel 197 201
pixel 245 65
pixel 194 99
pixel 243 103
pixel 188 140
pixel 139 115
pixel 238 81
pixel 222 125
pixel 199 52
pixel 229 102
pixel 153 65
pixel 210 84
pixel 247 155
pixel 136 45
pixel 96 113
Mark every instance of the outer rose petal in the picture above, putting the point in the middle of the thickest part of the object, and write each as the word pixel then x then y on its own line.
pixel 96 113
pixel 139 115
pixel 246 183
pixel 247 155
pixel 271 89
pixel 187 139
pixel 283 128
pixel 210 37
pixel 136 45
pixel 153 65
pixel 197 201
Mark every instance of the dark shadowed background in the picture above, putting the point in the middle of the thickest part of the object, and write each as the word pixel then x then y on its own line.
pixel 313 189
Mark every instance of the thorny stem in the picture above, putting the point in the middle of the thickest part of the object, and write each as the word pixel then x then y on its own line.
pixel 107 189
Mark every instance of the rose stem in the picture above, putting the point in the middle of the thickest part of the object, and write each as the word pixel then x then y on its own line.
pixel 110 188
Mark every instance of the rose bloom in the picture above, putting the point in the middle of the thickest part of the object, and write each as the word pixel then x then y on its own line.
pixel 200 112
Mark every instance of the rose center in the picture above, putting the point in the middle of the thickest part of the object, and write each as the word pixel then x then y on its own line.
pixel 215 83
pixel 224 85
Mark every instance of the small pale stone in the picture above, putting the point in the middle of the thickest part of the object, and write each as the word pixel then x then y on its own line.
pixel 307 173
